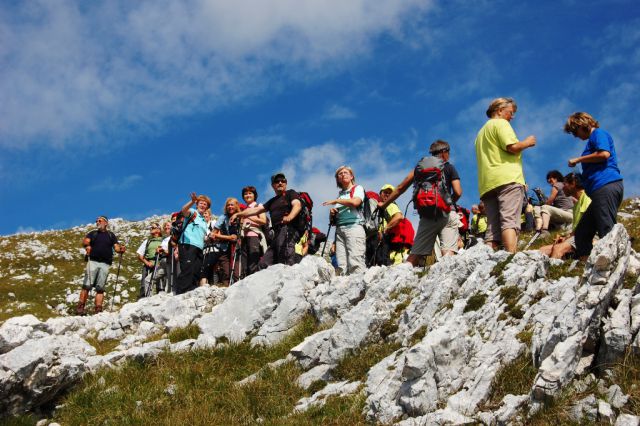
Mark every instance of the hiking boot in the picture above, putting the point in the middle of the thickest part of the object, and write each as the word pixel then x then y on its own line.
pixel 80 309
pixel 98 309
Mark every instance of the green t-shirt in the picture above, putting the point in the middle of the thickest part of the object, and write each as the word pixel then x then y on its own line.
pixel 579 208
pixel 152 245
pixel 479 223
pixel 496 165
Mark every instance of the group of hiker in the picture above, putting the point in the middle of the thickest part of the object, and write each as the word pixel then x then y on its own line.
pixel 370 228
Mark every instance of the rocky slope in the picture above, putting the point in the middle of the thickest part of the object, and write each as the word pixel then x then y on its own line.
pixel 452 332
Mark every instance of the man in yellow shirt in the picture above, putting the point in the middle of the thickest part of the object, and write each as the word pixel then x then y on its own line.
pixel 500 176
pixel 391 217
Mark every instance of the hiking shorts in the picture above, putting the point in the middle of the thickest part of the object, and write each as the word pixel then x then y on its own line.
pixel 503 206
pixel 428 231
pixel 95 276
pixel 450 234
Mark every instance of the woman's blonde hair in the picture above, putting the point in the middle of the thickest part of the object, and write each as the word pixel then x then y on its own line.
pixel 580 120
pixel 499 103
pixel 339 169
pixel 233 200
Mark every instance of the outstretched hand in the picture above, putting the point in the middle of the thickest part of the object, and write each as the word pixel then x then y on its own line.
pixel 573 162
pixel 330 203
pixel 194 197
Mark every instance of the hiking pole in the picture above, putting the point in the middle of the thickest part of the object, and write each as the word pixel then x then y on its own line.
pixel 532 240
pixel 148 287
pixel 126 243
pixel 327 240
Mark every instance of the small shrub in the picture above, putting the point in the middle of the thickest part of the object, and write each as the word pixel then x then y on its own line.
pixel 499 269
pixel 537 297
pixel 502 316
pixel 475 302
pixel 316 386
pixel 630 281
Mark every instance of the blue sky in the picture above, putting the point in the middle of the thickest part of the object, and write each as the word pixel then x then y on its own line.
pixel 123 108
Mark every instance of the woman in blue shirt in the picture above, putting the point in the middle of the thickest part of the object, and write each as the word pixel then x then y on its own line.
pixel 601 179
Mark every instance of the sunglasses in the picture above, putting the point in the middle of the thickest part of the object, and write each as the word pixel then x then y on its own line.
pixel 280 181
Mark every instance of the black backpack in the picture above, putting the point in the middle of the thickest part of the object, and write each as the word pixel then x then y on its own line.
pixel 304 221
pixel 178 226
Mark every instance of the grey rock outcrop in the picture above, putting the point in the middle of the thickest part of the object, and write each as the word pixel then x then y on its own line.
pixel 449 333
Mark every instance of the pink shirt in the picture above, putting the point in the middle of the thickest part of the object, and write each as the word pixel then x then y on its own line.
pixel 248 222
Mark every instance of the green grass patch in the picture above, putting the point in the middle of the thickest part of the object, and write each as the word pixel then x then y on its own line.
pixel 192 331
pixel 627 375
pixel 510 296
pixel 525 336
pixel 475 302
pixel 514 378
pixel 418 335
pixel 205 388
pixel 555 272
pixel 537 297
pixel 556 412
pixel 630 281
pixel 102 347
pixel 499 269
pixel 345 411
pixel 356 365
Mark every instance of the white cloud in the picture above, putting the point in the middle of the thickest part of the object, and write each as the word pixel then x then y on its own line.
pixel 71 70
pixel 338 112
pixel 112 184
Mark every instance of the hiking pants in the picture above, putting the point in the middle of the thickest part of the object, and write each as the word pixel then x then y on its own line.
pixel 190 264
pixel 283 247
pixel 350 248
pixel 599 217
pixel 251 252
pixel 145 271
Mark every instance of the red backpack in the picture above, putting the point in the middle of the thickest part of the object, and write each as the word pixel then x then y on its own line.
pixel 402 233
pixel 463 214
pixel 430 194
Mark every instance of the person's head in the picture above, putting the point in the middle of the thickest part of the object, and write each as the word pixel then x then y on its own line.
pixel 203 203
pixel 475 209
pixel 231 206
pixel 554 176
pixel 481 207
pixel 249 194
pixel 502 108
pixel 279 183
pixel 580 125
pixel 155 229
pixel 386 191
pixel 345 177
pixel 166 227
pixel 102 222
pixel 440 149
pixel 572 184
pixel 207 215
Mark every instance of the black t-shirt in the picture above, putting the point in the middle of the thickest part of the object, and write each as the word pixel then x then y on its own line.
pixel 280 206
pixel 102 246
pixel 450 174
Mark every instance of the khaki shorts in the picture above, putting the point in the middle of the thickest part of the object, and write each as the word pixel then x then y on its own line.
pixel 503 206
pixel 428 230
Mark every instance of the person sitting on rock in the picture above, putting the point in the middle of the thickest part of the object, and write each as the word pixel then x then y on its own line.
pixel 99 245
pixel 557 209
pixel 148 254
pixel 565 245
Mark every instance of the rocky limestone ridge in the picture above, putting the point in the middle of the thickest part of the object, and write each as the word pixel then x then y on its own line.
pixel 455 326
